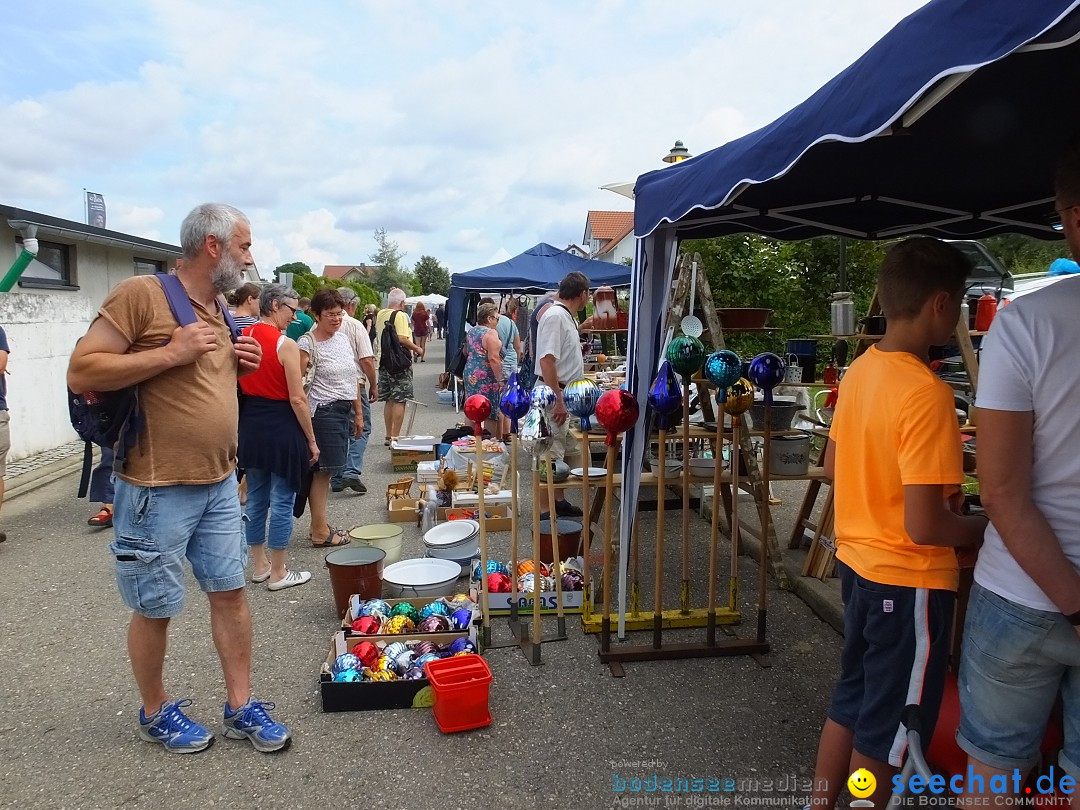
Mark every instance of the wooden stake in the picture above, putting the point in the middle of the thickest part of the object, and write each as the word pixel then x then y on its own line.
pixel 483 539
pixel 513 528
pixel 553 522
pixel 658 593
pixel 736 455
pixel 605 621
pixel 763 573
pixel 586 528
pixel 684 599
pixel 714 534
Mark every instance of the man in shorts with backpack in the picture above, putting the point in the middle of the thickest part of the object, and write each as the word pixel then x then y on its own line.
pixel 176 493
pixel 395 385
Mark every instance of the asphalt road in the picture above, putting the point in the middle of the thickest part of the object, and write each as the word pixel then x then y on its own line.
pixel 565 734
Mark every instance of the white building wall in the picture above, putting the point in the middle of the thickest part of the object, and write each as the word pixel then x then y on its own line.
pixel 41 329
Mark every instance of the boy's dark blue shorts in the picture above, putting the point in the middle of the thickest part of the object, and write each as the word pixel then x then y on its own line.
pixel 896 649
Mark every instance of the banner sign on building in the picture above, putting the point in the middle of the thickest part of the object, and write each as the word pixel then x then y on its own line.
pixel 95 209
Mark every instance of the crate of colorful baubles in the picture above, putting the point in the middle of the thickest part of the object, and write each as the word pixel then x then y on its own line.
pixel 454 616
pixel 361 674
pixel 500 587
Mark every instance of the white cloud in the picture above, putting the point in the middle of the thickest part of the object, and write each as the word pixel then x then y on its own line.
pixel 456 128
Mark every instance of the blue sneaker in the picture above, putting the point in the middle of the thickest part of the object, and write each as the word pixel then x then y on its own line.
pixel 252 722
pixel 173 729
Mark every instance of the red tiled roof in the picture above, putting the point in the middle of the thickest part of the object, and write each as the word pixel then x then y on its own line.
pixel 613 242
pixel 610 224
pixel 339 271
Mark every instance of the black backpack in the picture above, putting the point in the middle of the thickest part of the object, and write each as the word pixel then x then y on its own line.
pixel 394 357
pixel 112 418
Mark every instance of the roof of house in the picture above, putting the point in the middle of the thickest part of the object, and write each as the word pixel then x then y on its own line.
pixel 609 224
pixel 47 226
pixel 339 271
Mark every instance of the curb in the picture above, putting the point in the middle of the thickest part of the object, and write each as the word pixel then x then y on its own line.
pixel 46 474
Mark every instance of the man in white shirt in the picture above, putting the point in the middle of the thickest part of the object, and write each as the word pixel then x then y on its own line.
pixel 1022 635
pixel 559 361
pixel 349 475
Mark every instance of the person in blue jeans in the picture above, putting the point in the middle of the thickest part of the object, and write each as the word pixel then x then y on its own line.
pixel 349 475
pixel 101 490
pixel 176 496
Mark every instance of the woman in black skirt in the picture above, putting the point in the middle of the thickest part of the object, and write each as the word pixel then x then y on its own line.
pixel 276 440
pixel 334 396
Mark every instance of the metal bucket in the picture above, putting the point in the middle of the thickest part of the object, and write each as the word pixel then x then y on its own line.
pixel 789 455
pixel 387 536
pixel 358 570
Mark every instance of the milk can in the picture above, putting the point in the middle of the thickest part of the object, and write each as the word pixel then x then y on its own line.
pixel 843 313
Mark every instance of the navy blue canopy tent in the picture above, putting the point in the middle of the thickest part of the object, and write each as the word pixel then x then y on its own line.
pixel 948 126
pixel 537 270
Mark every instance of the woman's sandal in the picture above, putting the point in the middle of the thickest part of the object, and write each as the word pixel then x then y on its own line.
pixel 103 519
pixel 336 538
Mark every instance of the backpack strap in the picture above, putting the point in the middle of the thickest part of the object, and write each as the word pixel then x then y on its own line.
pixel 180 304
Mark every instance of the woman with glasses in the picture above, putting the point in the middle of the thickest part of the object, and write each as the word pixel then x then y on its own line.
pixel 276 440
pixel 484 368
pixel 334 396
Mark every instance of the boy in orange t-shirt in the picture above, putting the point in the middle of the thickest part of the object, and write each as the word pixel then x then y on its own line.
pixel 895 460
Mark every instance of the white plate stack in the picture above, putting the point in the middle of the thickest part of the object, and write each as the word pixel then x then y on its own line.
pixel 457 540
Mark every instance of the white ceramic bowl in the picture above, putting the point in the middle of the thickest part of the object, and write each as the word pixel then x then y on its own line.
pixel 452 540
pixel 420 577
pixel 674 467
pixel 702 467
pixel 464 561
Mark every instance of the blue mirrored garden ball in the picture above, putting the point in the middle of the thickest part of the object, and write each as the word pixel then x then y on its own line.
pixel 665 397
pixel 346 661
pixel 580 397
pixel 767 372
pixel 723 368
pixel 462 645
pixel 462 618
pixel 515 401
pixel 543 397
pixel 348 676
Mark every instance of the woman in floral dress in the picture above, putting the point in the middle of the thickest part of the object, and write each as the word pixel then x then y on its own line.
pixel 484 368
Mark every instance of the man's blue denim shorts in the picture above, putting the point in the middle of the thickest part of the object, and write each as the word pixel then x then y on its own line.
pixel 158 527
pixel 1014 663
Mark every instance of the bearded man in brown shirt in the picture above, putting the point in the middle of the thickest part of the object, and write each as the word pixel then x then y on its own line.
pixel 176 495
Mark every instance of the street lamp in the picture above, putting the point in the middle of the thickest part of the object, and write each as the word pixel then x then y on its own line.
pixel 678 152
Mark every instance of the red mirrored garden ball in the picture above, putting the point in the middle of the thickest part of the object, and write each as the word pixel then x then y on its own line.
pixel 477 408
pixel 617 412
pixel 498 583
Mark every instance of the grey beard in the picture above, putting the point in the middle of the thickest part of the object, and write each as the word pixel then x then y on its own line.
pixel 227 275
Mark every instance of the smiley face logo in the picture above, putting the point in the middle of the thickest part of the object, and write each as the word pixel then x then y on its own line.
pixel 861 783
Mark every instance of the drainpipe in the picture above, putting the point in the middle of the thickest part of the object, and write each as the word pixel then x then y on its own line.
pixel 29 251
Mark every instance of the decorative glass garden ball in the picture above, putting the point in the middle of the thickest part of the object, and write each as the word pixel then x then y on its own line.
pixel 462 618
pixel 405 609
pixel 434 624
pixel 366 625
pixel 665 397
pixel 462 645
pixel 515 401
pixel 435 609
pixel 498 583
pixel 348 676
pixel 572 581
pixel 525 567
pixel 394 649
pixel 535 436
pixel 492 567
pixel 424 647
pixel 740 396
pixel 723 368
pixel 543 397
pixel 427 658
pixel 686 354
pixel 477 408
pixel 414 673
pixel 404 661
pixel 346 661
pixel 367 652
pixel 580 397
pixel 375 607
pixel 766 372
pixel 617 411
pixel 397 625
pixel 383 664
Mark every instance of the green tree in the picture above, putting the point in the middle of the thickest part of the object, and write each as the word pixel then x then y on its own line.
pixel 432 276
pixel 387 258
pixel 296 268
pixel 1022 254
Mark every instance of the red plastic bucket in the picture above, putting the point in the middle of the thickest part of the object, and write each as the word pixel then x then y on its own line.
pixel 461 685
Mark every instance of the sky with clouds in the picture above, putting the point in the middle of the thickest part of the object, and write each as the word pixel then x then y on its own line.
pixel 462 128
